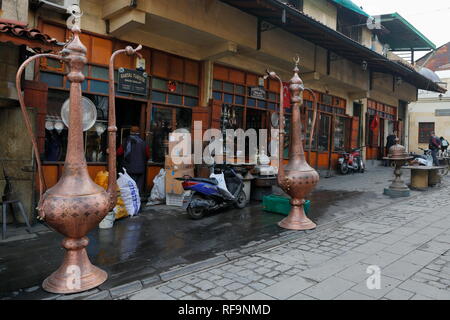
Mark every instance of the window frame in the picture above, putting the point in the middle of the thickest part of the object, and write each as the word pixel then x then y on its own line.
pixel 425 138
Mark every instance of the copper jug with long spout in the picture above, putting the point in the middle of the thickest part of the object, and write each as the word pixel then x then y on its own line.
pixel 297 178
pixel 76 205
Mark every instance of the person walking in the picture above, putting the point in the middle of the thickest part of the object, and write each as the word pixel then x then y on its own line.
pixel 135 152
pixel 390 141
pixel 444 145
pixel 434 146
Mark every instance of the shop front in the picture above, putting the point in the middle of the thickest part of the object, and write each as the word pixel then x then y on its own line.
pixel 252 101
pixel 381 120
pixel 172 90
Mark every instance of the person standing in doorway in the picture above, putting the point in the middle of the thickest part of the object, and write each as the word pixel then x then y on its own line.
pixel 435 146
pixel 390 141
pixel 135 152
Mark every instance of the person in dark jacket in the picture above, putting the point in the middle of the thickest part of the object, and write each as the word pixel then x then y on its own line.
pixel 390 141
pixel 135 152
pixel 435 146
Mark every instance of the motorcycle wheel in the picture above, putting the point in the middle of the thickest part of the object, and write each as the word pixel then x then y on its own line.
pixel 196 213
pixel 241 200
pixel 343 168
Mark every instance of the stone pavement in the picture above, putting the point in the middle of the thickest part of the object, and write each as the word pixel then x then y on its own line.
pixel 409 242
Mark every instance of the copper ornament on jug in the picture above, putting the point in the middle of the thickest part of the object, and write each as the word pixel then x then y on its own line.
pixel 297 178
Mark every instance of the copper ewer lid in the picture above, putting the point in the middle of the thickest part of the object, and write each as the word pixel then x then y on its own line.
pixel 397 151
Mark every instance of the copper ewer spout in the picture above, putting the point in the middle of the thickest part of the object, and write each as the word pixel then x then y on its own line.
pixel 76 205
pixel 297 178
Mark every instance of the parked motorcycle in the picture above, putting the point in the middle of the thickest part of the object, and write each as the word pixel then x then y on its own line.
pixel 351 162
pixel 224 188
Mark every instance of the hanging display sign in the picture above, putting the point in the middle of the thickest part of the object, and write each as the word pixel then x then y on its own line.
pixel 132 81
pixel 258 93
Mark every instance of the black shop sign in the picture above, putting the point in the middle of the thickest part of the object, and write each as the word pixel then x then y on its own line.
pixel 132 81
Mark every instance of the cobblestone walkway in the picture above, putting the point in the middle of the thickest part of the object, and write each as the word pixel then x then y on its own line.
pixel 409 242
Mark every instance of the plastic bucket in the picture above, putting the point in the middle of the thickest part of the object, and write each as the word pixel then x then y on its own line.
pixel 281 205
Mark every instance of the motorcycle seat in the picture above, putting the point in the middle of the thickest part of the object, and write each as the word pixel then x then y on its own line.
pixel 212 181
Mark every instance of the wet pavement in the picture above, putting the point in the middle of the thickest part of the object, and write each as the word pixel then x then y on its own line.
pixel 163 237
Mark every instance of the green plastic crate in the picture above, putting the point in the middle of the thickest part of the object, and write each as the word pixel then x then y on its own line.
pixel 280 204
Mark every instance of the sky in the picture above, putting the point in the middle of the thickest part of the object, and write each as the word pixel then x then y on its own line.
pixel 430 17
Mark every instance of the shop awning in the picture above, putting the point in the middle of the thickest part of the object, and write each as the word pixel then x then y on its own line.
pixel 402 36
pixel 350 6
pixel 19 34
pixel 310 29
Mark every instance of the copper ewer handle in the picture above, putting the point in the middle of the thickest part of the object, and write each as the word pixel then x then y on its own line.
pixel 313 125
pixel 112 128
pixel 28 123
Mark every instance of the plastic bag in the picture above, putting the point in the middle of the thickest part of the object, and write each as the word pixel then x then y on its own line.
pixel 222 184
pixel 102 180
pixel 129 193
pixel 158 194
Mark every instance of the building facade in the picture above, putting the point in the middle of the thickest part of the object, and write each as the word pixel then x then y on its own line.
pixel 206 56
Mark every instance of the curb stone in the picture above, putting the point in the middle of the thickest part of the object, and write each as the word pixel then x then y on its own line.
pixel 125 289
pixel 194 267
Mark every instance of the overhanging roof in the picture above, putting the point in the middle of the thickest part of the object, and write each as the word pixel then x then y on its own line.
pixel 19 34
pixel 402 36
pixel 308 28
pixel 350 6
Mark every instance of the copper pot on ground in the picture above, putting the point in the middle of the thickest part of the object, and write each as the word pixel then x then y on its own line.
pixel 297 178
pixel 76 205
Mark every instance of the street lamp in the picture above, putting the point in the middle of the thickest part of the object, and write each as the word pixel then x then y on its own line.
pixel 76 205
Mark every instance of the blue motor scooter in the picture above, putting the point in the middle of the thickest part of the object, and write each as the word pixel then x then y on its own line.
pixel 206 195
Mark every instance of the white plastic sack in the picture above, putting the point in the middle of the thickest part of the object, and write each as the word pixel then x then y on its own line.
pixel 129 193
pixel 222 184
pixel 158 194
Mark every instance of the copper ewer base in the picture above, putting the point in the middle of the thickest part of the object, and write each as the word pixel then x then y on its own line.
pixel 76 273
pixel 297 220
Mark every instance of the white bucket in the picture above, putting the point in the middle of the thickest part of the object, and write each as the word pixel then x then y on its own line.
pixel 108 221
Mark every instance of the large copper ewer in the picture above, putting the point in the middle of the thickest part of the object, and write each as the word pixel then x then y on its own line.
pixel 76 205
pixel 297 178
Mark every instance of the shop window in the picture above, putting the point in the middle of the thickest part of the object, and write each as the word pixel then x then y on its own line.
pixel 174 92
pixel 217 85
pixel 99 86
pixel 52 79
pixel 99 73
pixel 308 131
pixel 174 99
pixel 163 121
pixel 239 100
pixel 323 144
pixel 56 133
pixel 228 87
pixel 190 102
pixel 287 136
pixel 425 130
pixel 340 134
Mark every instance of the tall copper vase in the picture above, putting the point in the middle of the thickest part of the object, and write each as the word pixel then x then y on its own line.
pixel 297 178
pixel 76 205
